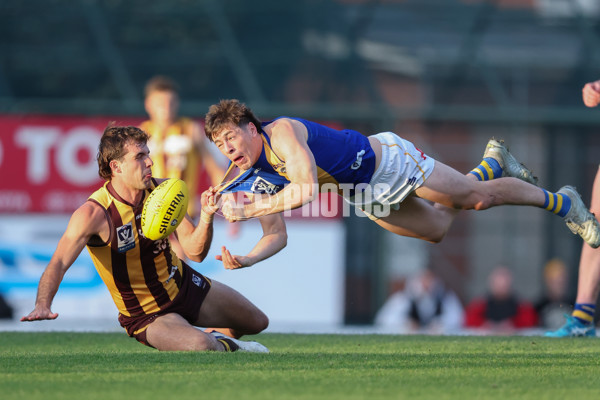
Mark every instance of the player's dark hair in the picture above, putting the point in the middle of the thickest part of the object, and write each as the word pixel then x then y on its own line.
pixel 228 112
pixel 161 83
pixel 112 145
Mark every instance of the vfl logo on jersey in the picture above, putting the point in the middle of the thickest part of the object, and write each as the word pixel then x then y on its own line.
pixel 125 238
pixel 359 157
pixel 261 185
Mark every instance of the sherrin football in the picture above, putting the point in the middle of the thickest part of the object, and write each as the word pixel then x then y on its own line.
pixel 164 209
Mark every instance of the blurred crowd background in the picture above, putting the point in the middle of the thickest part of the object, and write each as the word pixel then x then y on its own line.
pixel 445 74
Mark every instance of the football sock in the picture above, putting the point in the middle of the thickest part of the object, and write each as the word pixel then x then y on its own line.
pixel 558 203
pixel 488 169
pixel 228 344
pixel 584 313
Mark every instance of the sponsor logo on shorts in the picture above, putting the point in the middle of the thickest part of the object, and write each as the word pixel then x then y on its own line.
pixel 125 238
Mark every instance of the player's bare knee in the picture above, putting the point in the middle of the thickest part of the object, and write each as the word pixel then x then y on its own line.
pixel 437 236
pixel 436 233
pixel 259 323
pixel 263 323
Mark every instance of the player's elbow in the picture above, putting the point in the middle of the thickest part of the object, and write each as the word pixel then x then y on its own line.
pixel 313 191
pixel 300 194
pixel 278 241
pixel 283 237
pixel 309 193
pixel 198 256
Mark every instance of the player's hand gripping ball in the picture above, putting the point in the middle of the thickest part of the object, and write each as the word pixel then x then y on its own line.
pixel 164 209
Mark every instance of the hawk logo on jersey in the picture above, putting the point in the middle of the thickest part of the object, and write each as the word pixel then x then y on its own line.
pixel 261 185
pixel 359 157
pixel 125 238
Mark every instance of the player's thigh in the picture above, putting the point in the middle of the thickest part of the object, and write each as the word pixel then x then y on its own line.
pixel 225 307
pixel 449 187
pixel 420 219
pixel 171 332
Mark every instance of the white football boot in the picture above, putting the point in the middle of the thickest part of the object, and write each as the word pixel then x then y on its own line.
pixel 243 345
pixel 509 164
pixel 580 220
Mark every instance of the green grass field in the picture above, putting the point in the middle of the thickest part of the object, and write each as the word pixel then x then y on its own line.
pixel 58 365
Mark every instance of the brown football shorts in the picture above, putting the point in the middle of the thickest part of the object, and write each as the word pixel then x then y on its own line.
pixel 187 303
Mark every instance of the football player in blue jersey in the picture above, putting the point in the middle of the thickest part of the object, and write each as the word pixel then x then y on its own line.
pixel 298 158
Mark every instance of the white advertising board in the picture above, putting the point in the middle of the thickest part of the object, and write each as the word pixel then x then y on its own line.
pixel 301 285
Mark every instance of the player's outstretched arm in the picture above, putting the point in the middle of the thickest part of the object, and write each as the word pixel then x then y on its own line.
pixel 591 94
pixel 274 239
pixel 86 221
pixel 289 142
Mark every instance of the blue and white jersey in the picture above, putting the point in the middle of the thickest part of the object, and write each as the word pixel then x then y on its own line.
pixel 342 157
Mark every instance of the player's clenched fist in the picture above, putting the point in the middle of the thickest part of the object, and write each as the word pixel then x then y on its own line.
pixel 591 94
pixel 210 200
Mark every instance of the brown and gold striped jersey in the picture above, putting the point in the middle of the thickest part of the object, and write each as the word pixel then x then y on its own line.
pixel 175 155
pixel 143 276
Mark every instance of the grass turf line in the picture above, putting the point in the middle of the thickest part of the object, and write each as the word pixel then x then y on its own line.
pixel 61 365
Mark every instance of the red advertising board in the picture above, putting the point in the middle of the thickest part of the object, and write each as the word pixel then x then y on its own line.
pixel 48 163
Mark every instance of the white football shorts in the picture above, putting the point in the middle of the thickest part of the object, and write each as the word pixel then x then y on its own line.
pixel 403 168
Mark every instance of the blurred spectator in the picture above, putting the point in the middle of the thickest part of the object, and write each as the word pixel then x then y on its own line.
pixel 424 306
pixel 177 144
pixel 555 301
pixel 500 311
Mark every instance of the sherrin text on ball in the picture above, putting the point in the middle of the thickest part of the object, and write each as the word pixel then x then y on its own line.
pixel 164 209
